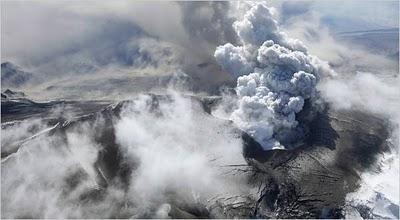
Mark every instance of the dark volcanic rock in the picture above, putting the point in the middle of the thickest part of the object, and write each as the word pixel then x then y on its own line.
pixel 312 181
pixel 21 108
pixel 11 94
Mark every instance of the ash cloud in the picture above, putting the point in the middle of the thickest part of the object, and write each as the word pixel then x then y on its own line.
pixel 121 37
pixel 275 76
pixel 197 17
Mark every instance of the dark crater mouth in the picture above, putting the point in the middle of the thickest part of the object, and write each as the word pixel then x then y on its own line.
pixel 312 180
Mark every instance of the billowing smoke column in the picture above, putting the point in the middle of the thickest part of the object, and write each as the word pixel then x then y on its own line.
pixel 275 75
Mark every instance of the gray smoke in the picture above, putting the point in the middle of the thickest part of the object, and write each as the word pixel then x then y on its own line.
pixel 120 41
pixel 275 76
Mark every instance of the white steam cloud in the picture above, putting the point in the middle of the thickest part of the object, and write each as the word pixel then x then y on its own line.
pixel 36 180
pixel 178 155
pixel 275 76
pixel 180 152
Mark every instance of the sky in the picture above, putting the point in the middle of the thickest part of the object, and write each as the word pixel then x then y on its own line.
pixel 24 20
pixel 59 40
pixel 381 13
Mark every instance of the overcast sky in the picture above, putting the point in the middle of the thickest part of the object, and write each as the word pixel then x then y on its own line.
pixel 383 13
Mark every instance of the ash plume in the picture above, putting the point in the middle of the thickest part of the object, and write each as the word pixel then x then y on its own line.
pixel 275 76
